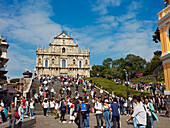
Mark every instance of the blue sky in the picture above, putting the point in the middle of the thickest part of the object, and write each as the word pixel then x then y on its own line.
pixel 109 28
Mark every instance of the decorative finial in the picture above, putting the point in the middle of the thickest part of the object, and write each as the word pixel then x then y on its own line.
pixel 42 46
pixel 37 46
pixel 71 35
pixel 51 40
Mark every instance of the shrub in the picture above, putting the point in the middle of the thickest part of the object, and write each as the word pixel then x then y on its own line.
pixel 117 88
pixel 14 80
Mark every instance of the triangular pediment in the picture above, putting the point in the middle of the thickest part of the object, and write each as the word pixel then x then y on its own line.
pixel 63 35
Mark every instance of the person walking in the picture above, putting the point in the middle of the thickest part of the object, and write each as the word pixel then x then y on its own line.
pixel 32 107
pixel 12 118
pixel 139 114
pixel 167 105
pixel 150 110
pixel 86 120
pixel 56 110
pixel 52 91
pixel 115 113
pixel 99 114
pixel 52 105
pixel 72 108
pixel 121 102
pixel 63 111
pixel 21 115
pixel 45 105
pixel 106 109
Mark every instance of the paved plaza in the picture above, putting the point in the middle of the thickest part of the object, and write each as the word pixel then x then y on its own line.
pixel 50 122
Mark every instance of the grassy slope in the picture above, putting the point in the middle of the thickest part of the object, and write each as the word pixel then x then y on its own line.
pixel 146 81
pixel 118 89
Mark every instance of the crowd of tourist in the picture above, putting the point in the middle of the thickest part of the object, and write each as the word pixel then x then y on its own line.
pixel 79 98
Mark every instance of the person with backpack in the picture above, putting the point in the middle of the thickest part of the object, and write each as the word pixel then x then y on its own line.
pixel 139 115
pixel 78 117
pixel 87 116
pixel 99 114
pixel 63 111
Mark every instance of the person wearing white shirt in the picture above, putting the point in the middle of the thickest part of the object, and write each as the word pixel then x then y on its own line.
pixel 2 103
pixel 52 91
pixel 45 105
pixel 99 114
pixel 52 105
pixel 101 92
pixel 139 114
pixel 32 107
pixel 56 109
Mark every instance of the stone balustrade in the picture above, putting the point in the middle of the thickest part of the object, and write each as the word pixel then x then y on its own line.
pixel 163 12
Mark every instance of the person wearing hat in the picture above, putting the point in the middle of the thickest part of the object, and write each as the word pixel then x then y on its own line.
pixel 106 108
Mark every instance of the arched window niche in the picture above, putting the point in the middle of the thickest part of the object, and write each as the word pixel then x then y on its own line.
pixel 63 50
pixel 39 60
pixel 74 61
pixel 46 63
pixel 80 66
pixel 63 63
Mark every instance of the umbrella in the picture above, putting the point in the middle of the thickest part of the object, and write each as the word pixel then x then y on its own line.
pixel 10 91
pixel 150 83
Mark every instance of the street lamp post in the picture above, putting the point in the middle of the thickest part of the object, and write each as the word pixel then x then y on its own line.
pixel 126 74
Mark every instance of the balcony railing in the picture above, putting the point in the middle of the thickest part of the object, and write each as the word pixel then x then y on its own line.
pixel 163 12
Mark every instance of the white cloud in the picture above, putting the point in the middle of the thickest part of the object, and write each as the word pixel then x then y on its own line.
pixel 132 36
pixel 101 6
pixel 30 22
pixel 19 60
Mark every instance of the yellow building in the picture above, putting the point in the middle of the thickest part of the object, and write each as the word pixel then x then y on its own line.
pixel 164 27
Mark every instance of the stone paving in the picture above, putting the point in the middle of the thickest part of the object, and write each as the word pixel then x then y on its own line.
pixel 50 122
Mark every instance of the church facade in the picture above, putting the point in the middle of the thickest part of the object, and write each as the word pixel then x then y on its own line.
pixel 63 58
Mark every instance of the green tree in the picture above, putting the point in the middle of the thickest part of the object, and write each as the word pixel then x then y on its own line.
pixel 156 36
pixel 107 62
pixel 153 64
pixel 14 80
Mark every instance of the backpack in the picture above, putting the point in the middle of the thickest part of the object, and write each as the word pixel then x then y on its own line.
pixel 5 112
pixel 16 115
pixel 83 107
pixel 83 110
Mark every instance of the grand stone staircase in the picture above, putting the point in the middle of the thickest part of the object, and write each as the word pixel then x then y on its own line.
pixel 35 86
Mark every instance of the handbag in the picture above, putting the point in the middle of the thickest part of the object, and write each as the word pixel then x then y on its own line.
pixel 16 115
